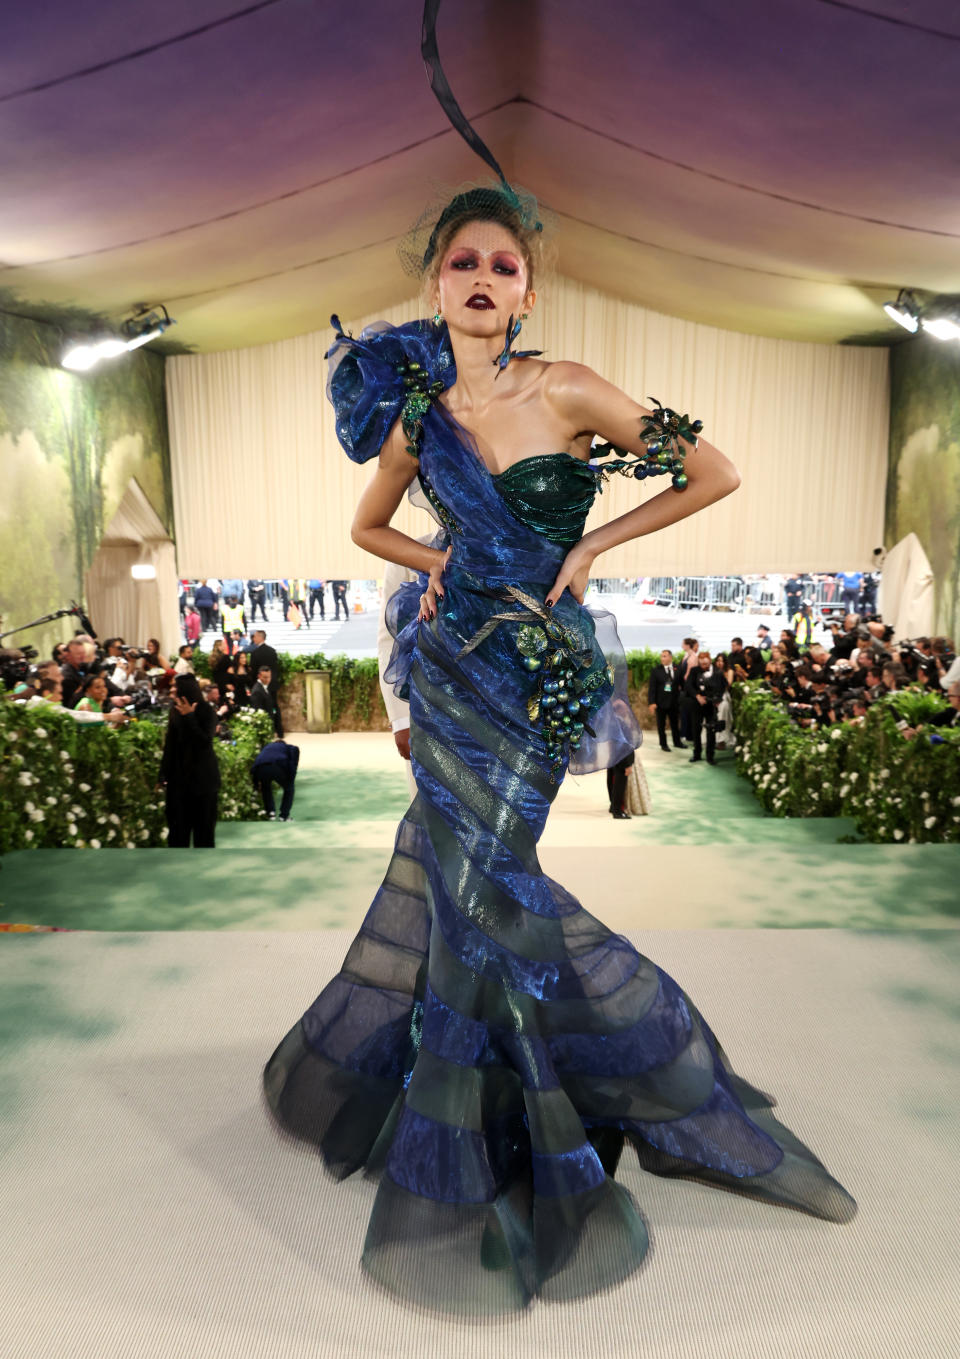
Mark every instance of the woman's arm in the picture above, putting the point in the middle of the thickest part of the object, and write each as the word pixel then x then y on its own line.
pixel 379 503
pixel 589 403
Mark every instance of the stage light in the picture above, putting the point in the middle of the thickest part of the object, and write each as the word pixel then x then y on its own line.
pixel 145 324
pixel 941 327
pixel 143 571
pixel 904 311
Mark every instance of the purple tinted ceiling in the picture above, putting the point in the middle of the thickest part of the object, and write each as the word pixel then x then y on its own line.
pixel 777 167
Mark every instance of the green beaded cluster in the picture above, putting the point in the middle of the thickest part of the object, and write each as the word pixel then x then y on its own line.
pixel 421 394
pixel 663 431
pixel 563 696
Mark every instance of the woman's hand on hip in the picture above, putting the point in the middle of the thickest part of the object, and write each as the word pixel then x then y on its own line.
pixel 574 575
pixel 434 590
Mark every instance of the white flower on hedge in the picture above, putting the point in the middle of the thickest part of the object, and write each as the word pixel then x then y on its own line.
pixel 36 814
pixel 28 806
pixel 898 834
pixel 28 834
pixel 884 773
pixel 51 801
pixel 955 801
pixel 844 789
pixel 71 829
pixel 106 773
pixel 144 835
pixel 64 755
pixel 114 819
pixel 164 833
pixel 854 776
pixel 84 787
pixel 13 735
pixel 111 834
pixel 930 822
pixel 101 820
pixel 41 732
pixel 25 778
pixel 94 844
pixel 836 734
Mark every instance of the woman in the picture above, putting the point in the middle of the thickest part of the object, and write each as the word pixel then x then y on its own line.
pixel 242 679
pixel 152 659
pixel 94 696
pixel 489 1047
pixel 189 770
pixel 219 662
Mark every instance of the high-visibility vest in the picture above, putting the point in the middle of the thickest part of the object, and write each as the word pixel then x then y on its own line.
pixel 232 615
pixel 803 628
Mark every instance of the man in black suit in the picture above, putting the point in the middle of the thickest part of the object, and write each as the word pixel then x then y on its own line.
pixel 705 686
pixel 663 695
pixel 262 699
pixel 261 655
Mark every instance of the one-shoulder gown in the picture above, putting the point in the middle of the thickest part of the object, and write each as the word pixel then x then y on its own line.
pixel 489 1048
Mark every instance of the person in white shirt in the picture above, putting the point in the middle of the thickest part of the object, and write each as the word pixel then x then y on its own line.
pixel 184 662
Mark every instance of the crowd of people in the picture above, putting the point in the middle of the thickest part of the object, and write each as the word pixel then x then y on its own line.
pixel 818 684
pixel 821 684
pixel 112 682
pixel 228 606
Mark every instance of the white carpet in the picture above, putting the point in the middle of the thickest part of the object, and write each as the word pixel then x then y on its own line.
pixel 150 1210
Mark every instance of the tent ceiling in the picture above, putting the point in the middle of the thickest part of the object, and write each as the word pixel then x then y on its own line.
pixel 774 168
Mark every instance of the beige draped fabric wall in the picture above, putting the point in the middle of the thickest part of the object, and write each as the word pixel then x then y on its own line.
pixel 262 488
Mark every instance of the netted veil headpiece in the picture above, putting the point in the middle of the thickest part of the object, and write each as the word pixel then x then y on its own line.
pixel 494 200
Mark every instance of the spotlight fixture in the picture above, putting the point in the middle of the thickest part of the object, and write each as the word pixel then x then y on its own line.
pixel 145 324
pixel 905 311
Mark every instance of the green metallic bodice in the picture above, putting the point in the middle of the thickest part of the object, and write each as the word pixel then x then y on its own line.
pixel 552 493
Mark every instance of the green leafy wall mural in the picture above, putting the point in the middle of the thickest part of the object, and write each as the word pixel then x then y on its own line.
pixel 69 444
pixel 923 486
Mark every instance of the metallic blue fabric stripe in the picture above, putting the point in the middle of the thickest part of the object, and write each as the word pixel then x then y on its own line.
pixel 566 1173
pixel 438 1161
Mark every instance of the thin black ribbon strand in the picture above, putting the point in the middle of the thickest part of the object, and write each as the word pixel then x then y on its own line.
pixel 441 88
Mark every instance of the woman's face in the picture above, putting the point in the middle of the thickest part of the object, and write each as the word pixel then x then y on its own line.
pixel 98 690
pixel 483 280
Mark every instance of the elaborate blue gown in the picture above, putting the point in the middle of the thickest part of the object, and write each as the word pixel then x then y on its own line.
pixel 488 1047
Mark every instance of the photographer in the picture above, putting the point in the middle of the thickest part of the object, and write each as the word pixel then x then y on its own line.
pixel 704 688
pixel 189 770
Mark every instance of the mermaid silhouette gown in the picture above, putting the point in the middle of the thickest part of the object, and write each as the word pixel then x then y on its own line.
pixel 489 1048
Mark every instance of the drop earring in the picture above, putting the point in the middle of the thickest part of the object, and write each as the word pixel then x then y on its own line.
pixel 437 316
pixel 508 353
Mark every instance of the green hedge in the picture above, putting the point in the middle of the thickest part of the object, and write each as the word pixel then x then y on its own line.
pixel 63 783
pixel 895 789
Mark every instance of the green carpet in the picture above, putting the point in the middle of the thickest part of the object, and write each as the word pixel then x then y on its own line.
pixel 707 856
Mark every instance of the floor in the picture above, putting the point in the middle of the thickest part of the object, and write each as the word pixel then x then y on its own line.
pixel 152 1209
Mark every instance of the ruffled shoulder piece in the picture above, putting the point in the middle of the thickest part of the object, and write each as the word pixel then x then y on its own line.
pixel 373 377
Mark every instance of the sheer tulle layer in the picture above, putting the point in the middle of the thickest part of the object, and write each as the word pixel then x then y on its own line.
pixel 488 1048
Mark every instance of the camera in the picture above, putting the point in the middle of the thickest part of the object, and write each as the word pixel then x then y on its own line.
pixel 15 665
